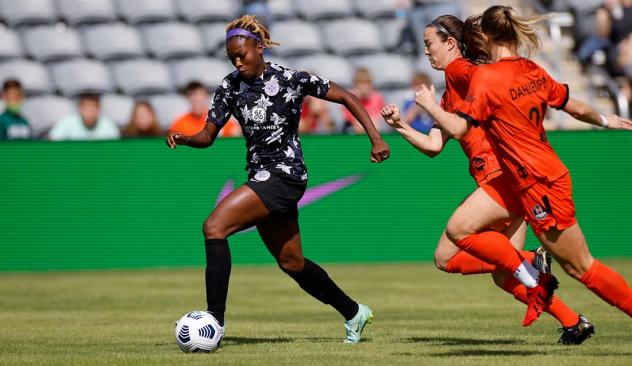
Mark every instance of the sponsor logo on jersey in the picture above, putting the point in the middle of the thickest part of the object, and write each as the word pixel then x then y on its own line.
pixel 539 212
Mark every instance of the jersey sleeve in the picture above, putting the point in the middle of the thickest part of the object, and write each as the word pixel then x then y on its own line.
pixel 480 102
pixel 312 85
pixel 558 94
pixel 219 110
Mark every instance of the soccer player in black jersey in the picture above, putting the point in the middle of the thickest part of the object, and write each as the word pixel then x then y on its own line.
pixel 266 99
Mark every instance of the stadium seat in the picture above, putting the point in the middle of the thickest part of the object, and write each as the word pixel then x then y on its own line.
pixel 168 107
pixel 172 40
pixel 10 46
pixel 376 8
pixel 77 76
pixel 42 112
pixel 208 71
pixel 208 10
pixel 214 37
pixel 52 43
pixel 31 74
pixel 142 76
pixel 146 11
pixel 108 42
pixel 78 12
pixel 324 9
pixel 296 37
pixel 117 107
pixel 282 9
pixel 436 77
pixel 352 36
pixel 28 12
pixel 334 68
pixel 391 31
pixel 388 71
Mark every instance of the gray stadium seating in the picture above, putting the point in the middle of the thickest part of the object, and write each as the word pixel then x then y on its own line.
pixel 282 9
pixel 376 8
pixel 208 10
pixel 117 107
pixel 55 107
pixel 31 74
pixel 52 43
pixel 146 11
pixel 10 46
pixel 352 36
pixel 113 41
pixel 388 71
pixel 324 9
pixel 28 12
pixel 391 31
pixel 76 12
pixel 296 37
pixel 214 37
pixel 437 77
pixel 168 107
pixel 142 76
pixel 172 40
pixel 334 68
pixel 208 71
pixel 81 75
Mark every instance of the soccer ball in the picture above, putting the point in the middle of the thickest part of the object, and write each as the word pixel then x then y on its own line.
pixel 198 331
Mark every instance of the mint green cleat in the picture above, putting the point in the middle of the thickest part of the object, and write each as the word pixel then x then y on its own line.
pixel 355 326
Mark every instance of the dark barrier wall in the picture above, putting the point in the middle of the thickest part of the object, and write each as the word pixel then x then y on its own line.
pixel 137 204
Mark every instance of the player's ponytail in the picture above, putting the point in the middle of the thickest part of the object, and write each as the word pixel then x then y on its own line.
pixel 467 35
pixel 504 26
pixel 251 24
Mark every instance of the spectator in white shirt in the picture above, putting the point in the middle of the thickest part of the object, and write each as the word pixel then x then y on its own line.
pixel 88 124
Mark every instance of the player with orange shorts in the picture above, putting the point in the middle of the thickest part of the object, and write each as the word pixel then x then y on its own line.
pixel 444 39
pixel 508 99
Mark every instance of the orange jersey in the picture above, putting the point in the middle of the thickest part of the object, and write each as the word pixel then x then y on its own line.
pixel 188 124
pixel 483 163
pixel 509 100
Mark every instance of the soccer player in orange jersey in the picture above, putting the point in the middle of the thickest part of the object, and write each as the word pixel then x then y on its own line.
pixel 508 100
pixel 445 39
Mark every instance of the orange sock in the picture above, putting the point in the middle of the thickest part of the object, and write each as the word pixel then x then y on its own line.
pixel 557 308
pixel 467 264
pixel 609 285
pixel 494 248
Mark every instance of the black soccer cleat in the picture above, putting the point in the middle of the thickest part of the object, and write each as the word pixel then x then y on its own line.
pixel 542 260
pixel 578 333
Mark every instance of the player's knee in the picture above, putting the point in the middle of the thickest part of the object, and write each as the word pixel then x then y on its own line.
pixel 456 230
pixel 441 263
pixel 214 229
pixel 291 263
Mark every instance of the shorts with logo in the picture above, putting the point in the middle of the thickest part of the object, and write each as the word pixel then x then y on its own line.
pixel 500 191
pixel 549 204
pixel 279 193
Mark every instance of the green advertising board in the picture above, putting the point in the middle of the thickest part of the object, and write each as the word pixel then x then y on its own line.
pixel 126 204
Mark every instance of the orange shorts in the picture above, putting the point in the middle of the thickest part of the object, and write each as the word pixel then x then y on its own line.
pixel 500 191
pixel 549 204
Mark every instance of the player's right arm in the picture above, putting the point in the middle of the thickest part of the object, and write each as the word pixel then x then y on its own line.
pixel 430 144
pixel 585 113
pixel 202 139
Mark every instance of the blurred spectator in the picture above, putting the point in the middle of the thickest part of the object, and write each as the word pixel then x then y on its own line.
pixel 12 125
pixel 412 114
pixel 371 99
pixel 88 124
pixel 143 122
pixel 315 117
pixel 193 122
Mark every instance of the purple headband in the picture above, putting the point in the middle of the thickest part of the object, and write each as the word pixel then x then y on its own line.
pixel 241 32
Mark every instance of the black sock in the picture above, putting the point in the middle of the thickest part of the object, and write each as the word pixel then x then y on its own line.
pixel 315 281
pixel 217 275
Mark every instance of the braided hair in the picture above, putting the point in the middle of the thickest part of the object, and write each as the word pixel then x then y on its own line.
pixel 252 24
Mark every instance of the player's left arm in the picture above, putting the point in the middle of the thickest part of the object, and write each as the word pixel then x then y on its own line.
pixel 337 94
pixel 453 125
pixel 585 113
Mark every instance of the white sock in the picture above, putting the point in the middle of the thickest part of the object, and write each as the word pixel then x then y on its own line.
pixel 527 274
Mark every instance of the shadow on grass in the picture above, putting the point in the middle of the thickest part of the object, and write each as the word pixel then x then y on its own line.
pixel 487 352
pixel 450 341
pixel 252 340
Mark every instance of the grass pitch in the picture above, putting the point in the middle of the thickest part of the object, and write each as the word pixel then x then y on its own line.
pixel 422 317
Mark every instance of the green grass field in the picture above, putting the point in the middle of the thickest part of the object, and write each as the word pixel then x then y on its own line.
pixel 422 316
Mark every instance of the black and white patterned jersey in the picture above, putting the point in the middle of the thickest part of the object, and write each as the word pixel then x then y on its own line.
pixel 268 109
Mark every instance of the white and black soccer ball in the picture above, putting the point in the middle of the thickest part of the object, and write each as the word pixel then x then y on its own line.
pixel 198 331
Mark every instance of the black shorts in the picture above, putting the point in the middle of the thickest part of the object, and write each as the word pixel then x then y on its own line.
pixel 279 194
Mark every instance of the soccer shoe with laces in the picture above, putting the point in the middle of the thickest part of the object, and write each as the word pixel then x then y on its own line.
pixel 578 333
pixel 539 297
pixel 355 326
pixel 542 260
